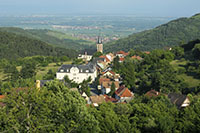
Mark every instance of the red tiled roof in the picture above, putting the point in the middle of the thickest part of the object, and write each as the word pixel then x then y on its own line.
pixel 152 93
pixel 122 52
pixel 136 57
pixel 113 73
pixel 123 92
pixel 108 84
pixel 97 99
pixel 109 99
pixel 147 52
pixel 105 57
pixel 121 59
pixel 103 80
pixel 1 103
pixel 2 96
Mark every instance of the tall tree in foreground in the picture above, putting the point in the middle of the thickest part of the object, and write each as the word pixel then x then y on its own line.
pixel 51 109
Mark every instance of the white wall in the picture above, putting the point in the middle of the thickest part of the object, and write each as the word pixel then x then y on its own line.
pixel 76 76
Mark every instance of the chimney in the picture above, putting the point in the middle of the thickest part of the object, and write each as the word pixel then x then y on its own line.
pixel 38 84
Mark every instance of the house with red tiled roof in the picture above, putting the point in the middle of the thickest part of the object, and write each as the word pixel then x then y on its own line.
pixel 152 93
pixel 106 58
pixel 110 56
pixel 121 54
pixel 1 98
pixel 96 100
pixel 111 75
pixel 136 57
pixel 108 73
pixel 147 52
pixel 123 94
pixel 110 99
pixel 121 59
pixel 106 86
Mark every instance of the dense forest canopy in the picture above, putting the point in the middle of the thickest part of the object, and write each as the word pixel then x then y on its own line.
pixel 13 46
pixel 176 32
pixel 54 38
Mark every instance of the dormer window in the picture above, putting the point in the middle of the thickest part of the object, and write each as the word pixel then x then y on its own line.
pixel 81 70
pixel 61 70
pixel 87 71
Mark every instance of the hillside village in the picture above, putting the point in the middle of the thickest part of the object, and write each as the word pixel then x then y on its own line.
pixel 103 83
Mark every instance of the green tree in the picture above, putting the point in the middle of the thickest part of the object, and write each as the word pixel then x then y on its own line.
pixel 28 70
pixel 50 75
pixel 97 54
pixel 112 91
pixel 53 108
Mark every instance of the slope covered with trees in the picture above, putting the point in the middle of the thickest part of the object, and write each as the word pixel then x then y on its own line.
pixel 53 38
pixel 176 32
pixel 13 46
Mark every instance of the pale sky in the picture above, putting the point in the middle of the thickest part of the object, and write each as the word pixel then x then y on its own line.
pixel 175 8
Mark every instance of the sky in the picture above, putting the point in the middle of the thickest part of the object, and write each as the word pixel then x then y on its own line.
pixel 171 8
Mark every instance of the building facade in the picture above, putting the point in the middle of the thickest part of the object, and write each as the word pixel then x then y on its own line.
pixel 77 73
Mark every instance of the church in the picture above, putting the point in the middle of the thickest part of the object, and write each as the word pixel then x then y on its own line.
pixel 78 73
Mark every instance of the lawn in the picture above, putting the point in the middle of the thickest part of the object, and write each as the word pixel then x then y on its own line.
pixel 192 82
pixel 41 71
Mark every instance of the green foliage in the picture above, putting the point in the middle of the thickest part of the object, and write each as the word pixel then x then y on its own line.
pixel 178 52
pixel 173 33
pixel 28 70
pixel 13 46
pixel 50 75
pixel 112 91
pixel 85 86
pixel 196 51
pixel 51 109
pixel 97 54
pixel 54 38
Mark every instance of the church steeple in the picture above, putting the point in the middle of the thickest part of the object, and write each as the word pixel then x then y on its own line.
pixel 99 44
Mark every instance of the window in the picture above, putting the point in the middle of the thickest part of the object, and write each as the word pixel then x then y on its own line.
pixel 87 71
pixel 61 70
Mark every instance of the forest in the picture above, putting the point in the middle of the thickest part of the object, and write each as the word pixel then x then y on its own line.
pixel 13 46
pixel 175 32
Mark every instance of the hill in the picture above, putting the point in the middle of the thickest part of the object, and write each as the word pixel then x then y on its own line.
pixel 53 38
pixel 176 32
pixel 13 46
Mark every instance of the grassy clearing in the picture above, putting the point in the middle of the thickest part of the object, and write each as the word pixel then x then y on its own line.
pixel 178 64
pixel 41 71
pixel 2 75
pixel 192 82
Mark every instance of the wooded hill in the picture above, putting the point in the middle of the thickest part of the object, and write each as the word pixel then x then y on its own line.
pixel 13 46
pixel 176 32
pixel 53 38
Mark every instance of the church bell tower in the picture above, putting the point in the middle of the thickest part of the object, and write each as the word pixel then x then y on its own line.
pixel 99 45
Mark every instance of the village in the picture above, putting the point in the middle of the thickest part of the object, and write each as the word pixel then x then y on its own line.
pixel 106 85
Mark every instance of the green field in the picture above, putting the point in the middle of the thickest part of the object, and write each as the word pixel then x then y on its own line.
pixel 41 71
pixel 190 80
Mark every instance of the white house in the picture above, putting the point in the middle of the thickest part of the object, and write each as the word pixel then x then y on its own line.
pixel 85 57
pixel 77 73
pixel 123 94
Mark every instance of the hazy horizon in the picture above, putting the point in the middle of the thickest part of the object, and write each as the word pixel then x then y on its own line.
pixel 169 8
